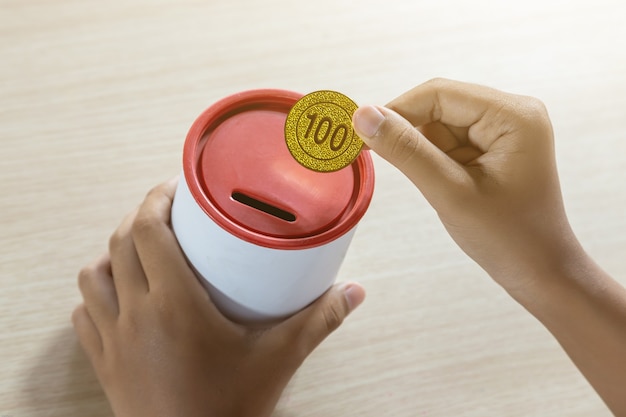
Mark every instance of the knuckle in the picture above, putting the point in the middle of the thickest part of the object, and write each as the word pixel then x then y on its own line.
pixel 532 116
pixel 514 112
pixel 149 217
pixel 436 85
pixel 404 147
pixel 333 316
pixel 77 315
pixel 437 82
pixel 85 275
pixel 536 105
pixel 534 108
pixel 120 236
pixel 115 240
pixel 154 191
pixel 144 224
pixel 530 109
pixel 157 192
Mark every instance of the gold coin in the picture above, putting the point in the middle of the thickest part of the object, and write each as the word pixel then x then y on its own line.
pixel 319 132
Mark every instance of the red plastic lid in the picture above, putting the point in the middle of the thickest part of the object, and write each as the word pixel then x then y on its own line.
pixel 239 170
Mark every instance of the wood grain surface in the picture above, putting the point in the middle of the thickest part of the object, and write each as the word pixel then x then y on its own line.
pixel 95 101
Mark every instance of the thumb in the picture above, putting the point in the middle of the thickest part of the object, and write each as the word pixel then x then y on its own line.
pixel 395 139
pixel 313 324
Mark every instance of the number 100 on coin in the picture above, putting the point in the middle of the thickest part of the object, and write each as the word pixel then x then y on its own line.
pixel 319 132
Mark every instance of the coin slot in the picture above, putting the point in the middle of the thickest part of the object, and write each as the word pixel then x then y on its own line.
pixel 263 206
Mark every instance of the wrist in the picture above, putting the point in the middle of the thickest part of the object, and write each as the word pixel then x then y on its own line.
pixel 563 278
pixel 546 270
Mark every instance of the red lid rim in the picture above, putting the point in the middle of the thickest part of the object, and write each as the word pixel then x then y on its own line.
pixel 363 167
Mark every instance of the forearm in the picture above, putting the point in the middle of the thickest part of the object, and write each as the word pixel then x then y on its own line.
pixel 585 310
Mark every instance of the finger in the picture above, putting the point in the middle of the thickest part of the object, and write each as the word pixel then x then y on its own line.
pixel 450 102
pixel 456 104
pixel 87 332
pixel 313 324
pixel 396 140
pixel 161 257
pixel 128 275
pixel 96 285
pixel 444 137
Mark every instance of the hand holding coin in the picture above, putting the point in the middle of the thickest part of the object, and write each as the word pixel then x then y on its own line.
pixel 319 132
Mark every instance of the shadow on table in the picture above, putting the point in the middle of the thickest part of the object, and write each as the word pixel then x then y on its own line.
pixel 62 383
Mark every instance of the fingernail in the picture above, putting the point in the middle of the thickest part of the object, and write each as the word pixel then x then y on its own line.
pixel 367 121
pixel 355 294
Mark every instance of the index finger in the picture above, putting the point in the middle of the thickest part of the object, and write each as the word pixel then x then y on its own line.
pixel 459 105
pixel 160 255
pixel 450 102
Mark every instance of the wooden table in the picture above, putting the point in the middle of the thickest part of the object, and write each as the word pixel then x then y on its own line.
pixel 95 102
